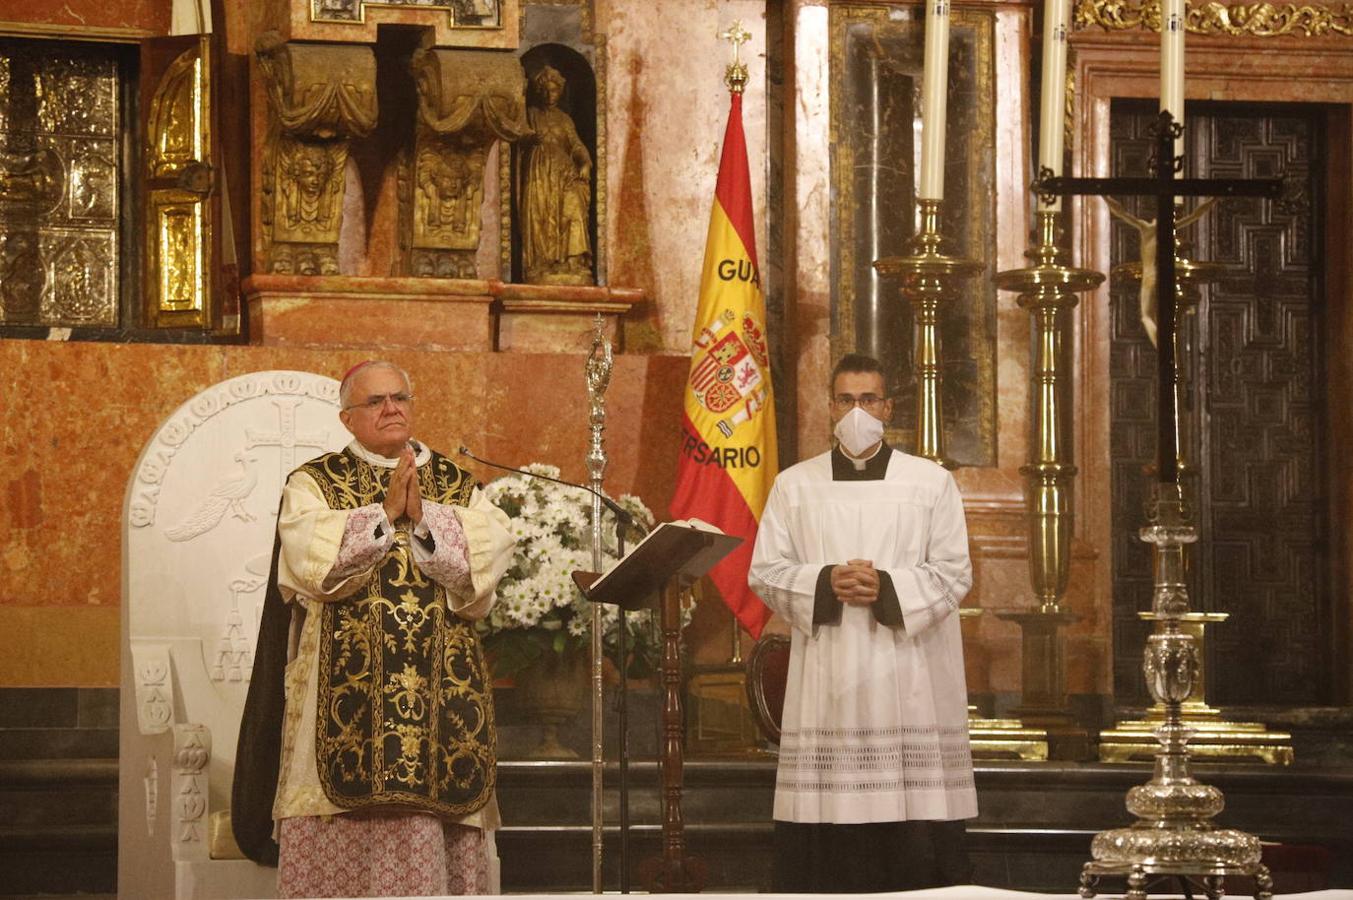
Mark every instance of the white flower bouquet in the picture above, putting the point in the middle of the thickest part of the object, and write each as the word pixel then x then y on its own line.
pixel 540 610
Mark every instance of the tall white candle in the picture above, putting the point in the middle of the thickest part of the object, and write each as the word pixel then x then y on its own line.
pixel 1172 63
pixel 934 94
pixel 1052 112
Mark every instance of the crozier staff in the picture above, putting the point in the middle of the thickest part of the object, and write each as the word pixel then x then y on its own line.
pixel 380 734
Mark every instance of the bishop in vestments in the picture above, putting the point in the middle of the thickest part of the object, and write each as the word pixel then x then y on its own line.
pixel 864 552
pixel 379 734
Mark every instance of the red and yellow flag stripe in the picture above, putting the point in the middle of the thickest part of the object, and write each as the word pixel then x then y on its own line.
pixel 728 451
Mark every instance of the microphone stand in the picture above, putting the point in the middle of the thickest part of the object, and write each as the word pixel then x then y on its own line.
pixel 624 519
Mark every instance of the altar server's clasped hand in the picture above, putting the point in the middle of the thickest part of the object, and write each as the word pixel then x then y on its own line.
pixel 856 582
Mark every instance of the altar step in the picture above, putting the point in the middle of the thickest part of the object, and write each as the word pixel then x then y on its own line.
pixel 58 826
pixel 1033 831
pixel 58 791
pixel 58 811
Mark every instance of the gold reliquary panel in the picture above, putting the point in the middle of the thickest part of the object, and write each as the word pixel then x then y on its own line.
pixel 179 187
pixel 59 179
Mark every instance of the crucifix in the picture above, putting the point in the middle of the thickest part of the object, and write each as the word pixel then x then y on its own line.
pixel 1172 809
pixel 1165 187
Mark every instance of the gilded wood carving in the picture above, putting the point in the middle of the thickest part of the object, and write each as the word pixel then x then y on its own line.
pixel 554 184
pixel 467 102
pixel 178 182
pixel 321 97
pixel 1237 19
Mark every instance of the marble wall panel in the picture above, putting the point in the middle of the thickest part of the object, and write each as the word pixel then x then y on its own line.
pixel 666 108
pixel 58 646
pixel 78 414
pixel 73 16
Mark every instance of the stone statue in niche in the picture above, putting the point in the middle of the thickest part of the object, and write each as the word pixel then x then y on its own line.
pixel 554 184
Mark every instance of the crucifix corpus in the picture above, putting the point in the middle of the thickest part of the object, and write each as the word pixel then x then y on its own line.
pixel 1165 187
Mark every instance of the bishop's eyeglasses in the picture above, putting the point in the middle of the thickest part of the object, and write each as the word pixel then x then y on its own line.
pixel 377 401
pixel 868 402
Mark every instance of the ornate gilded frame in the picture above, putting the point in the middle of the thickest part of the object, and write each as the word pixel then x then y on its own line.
pixel 1235 19
pixel 968 334
pixel 179 220
pixel 317 13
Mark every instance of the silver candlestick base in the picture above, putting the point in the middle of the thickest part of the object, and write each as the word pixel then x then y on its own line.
pixel 1174 834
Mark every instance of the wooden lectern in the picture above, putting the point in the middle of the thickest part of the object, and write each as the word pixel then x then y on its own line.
pixel 658 571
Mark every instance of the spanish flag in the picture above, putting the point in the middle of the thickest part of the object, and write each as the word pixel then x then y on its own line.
pixel 728 455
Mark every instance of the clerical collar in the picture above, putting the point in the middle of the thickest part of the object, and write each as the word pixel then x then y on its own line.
pixel 421 454
pixel 874 469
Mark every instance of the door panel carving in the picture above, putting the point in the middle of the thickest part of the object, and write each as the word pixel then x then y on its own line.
pixel 1259 490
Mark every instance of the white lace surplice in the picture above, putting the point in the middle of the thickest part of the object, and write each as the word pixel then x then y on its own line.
pixel 875 718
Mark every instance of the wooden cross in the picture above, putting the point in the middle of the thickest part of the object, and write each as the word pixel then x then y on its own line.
pixel 1165 188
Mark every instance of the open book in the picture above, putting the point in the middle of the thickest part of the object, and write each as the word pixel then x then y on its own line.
pixel 685 549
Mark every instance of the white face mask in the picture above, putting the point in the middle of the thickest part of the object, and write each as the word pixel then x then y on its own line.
pixel 858 431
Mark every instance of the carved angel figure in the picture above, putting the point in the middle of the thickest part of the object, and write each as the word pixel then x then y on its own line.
pixel 1147 230
pixel 450 190
pixel 310 188
pixel 554 182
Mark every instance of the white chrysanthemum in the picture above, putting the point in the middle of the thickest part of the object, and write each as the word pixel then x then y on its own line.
pixel 552 525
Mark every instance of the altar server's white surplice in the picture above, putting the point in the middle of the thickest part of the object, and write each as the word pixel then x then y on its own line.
pixel 875 717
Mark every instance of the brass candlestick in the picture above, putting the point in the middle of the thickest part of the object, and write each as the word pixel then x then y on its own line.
pixel 1047 288
pixel 929 277
pixel 1002 738
pixel 1213 736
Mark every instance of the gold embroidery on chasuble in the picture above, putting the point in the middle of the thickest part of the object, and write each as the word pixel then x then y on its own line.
pixel 405 707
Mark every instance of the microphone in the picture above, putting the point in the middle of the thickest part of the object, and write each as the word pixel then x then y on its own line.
pixel 622 515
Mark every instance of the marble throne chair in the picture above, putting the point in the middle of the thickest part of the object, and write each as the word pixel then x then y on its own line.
pixel 198 524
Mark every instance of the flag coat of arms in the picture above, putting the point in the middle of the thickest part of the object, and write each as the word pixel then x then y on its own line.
pixel 728 453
